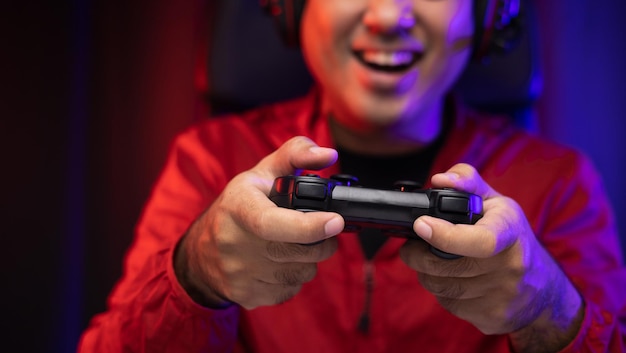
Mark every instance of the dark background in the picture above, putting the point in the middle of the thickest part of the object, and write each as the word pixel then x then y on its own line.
pixel 93 91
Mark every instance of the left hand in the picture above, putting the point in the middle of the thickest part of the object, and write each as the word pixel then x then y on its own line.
pixel 506 282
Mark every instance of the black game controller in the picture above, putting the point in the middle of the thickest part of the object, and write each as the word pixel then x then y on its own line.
pixel 391 211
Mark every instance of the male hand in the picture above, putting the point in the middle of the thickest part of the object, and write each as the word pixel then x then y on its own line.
pixel 244 249
pixel 506 282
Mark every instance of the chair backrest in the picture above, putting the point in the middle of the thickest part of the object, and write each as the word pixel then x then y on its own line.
pixel 248 65
pixel 510 82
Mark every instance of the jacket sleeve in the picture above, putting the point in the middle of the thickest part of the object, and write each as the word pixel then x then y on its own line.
pixel 581 234
pixel 148 310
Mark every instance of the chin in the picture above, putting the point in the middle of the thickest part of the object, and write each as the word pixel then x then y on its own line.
pixel 387 112
pixel 378 120
pixel 366 111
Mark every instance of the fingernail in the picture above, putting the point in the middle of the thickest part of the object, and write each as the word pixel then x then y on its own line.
pixel 320 150
pixel 423 230
pixel 333 227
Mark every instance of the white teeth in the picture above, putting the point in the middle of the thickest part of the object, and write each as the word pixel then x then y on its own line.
pixel 383 58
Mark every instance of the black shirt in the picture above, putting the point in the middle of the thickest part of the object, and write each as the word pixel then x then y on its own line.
pixel 381 172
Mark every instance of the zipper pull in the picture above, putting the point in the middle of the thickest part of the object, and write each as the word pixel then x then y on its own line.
pixel 368 277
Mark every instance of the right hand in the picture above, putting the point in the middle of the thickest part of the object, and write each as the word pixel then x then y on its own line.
pixel 244 249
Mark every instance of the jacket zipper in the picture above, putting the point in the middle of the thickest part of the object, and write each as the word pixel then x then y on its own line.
pixel 368 277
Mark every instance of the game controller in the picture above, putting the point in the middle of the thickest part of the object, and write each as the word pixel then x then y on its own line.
pixel 391 211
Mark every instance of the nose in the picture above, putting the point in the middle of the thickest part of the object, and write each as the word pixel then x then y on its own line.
pixel 389 16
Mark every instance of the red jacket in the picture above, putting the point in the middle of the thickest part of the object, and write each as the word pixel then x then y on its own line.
pixel 558 189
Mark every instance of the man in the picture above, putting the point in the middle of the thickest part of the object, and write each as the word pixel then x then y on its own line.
pixel 216 266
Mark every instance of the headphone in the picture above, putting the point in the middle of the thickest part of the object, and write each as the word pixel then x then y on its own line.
pixel 497 23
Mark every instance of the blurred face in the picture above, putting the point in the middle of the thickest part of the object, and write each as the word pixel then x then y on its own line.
pixel 386 65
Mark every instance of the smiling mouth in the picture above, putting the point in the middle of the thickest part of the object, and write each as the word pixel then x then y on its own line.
pixel 388 61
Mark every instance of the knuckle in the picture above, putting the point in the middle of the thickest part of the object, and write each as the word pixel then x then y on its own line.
pixel 442 287
pixel 466 167
pixel 244 298
pixel 287 276
pixel 292 276
pixel 431 265
pixel 275 250
pixel 456 267
pixel 465 170
pixel 323 250
pixel 226 245
pixel 453 290
pixel 280 251
pixel 232 269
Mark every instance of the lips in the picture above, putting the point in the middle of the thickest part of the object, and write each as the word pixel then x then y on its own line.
pixel 388 60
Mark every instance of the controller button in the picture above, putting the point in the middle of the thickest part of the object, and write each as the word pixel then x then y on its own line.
pixel 305 190
pixel 454 204
pixel 407 185
pixel 345 179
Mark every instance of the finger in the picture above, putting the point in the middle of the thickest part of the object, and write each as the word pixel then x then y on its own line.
pixel 417 255
pixel 303 253
pixel 457 288
pixel 297 153
pixel 500 228
pixel 289 274
pixel 260 216
pixel 464 177
pixel 295 274
pixel 477 240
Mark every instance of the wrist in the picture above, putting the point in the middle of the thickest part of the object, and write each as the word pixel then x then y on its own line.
pixel 197 290
pixel 558 323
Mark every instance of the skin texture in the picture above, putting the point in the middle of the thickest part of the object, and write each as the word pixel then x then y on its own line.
pixel 506 282
pixel 245 250
pixel 380 112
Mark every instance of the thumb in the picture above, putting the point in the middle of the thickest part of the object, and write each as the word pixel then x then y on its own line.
pixel 297 153
pixel 459 239
pixel 466 178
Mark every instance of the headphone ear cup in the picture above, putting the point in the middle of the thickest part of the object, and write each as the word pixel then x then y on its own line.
pixel 287 15
pixel 497 26
pixel 481 26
